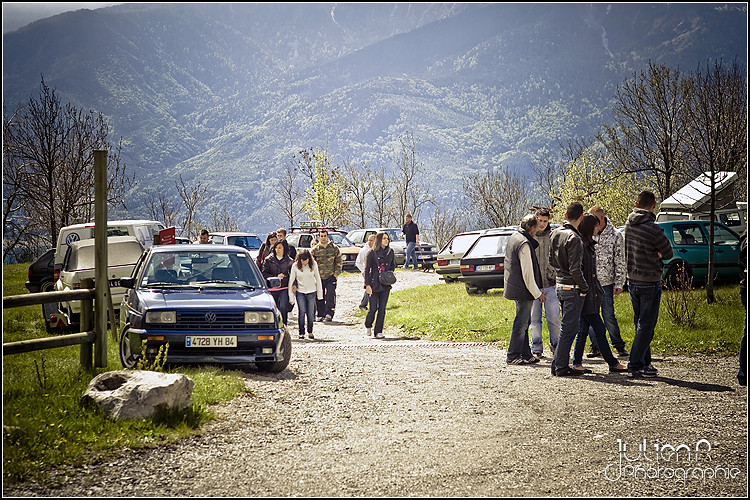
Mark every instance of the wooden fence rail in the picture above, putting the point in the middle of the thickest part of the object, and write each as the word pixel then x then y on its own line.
pixel 87 338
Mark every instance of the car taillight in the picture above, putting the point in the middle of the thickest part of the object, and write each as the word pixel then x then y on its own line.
pixel 442 262
pixel 56 274
pixel 499 267
pixel 467 267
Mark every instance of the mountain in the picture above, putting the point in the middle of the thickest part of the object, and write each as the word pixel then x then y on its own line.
pixel 226 93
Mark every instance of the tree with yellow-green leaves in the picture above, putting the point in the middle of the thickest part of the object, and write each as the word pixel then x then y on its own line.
pixel 591 179
pixel 325 196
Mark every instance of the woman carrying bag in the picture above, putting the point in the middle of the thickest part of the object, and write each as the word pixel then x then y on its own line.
pixel 278 265
pixel 381 262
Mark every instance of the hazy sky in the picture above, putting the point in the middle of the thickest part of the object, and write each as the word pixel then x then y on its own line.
pixel 19 14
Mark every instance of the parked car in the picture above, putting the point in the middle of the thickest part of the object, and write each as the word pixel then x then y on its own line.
pixel 482 266
pixel 122 254
pixel 41 273
pixel 209 303
pixel 142 230
pixel 249 241
pixel 448 264
pixel 308 237
pixel 426 254
pixel 689 239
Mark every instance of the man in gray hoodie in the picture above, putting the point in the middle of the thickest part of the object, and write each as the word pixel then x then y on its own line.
pixel 645 247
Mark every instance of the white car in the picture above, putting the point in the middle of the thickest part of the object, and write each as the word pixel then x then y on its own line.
pixel 122 254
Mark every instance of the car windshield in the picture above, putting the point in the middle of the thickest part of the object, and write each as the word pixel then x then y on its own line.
pixel 246 241
pixel 394 234
pixel 340 240
pixel 201 267
pixel 489 245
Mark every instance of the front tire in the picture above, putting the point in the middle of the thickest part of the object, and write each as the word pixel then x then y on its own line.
pixel 678 276
pixel 278 366
pixel 127 357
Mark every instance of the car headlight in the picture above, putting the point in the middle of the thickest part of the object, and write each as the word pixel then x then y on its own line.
pixel 255 317
pixel 161 317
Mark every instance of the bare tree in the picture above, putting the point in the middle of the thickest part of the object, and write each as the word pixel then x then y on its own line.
pixel 650 132
pixel 162 208
pixel 498 198
pixel 359 185
pixel 718 121
pixel 445 225
pixel 51 147
pixel 410 195
pixel 381 197
pixel 193 199
pixel 222 220
pixel 288 193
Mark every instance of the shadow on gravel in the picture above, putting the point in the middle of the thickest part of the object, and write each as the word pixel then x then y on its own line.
pixel 253 374
pixel 626 380
pixel 698 386
pixel 391 339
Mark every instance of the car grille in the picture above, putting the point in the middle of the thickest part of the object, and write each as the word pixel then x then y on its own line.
pixel 213 320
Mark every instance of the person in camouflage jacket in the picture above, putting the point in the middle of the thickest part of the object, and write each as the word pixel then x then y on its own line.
pixel 328 257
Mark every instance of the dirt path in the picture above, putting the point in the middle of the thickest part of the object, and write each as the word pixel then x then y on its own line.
pixel 356 416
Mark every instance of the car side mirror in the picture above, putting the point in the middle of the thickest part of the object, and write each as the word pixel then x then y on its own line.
pixel 127 282
pixel 273 282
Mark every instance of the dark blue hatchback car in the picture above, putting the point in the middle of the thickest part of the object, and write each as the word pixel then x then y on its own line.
pixel 209 303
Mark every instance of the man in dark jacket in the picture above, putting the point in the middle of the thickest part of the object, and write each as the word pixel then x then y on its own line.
pixel 522 282
pixel 645 247
pixel 566 254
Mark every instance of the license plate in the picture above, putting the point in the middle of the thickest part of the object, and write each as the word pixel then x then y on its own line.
pixel 455 262
pixel 489 267
pixel 211 341
pixel 114 282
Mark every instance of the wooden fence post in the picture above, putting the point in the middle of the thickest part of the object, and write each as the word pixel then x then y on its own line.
pixel 100 259
pixel 87 324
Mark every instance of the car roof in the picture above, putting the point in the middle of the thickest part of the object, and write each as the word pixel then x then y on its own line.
pixel 111 240
pixel 232 233
pixel 204 247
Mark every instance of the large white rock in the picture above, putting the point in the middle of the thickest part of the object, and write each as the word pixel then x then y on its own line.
pixel 139 394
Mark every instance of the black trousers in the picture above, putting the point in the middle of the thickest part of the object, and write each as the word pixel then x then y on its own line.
pixel 327 306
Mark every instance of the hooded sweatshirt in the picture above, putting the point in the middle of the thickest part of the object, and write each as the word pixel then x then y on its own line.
pixel 643 239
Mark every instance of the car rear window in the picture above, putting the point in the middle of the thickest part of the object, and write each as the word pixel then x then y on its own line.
pixel 250 242
pixel 489 245
pixel 118 254
pixel 461 243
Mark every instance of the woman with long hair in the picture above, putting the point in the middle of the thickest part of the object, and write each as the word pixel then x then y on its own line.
pixel 266 248
pixel 381 258
pixel 279 265
pixel 592 304
pixel 305 288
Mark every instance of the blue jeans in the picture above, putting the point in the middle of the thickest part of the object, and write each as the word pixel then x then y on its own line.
pixel 306 306
pixel 519 336
pixel 378 302
pixel 411 255
pixel 281 297
pixel 610 320
pixel 552 312
pixel 646 297
pixel 571 304
pixel 595 322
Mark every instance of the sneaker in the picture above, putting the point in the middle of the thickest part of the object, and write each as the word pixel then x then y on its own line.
pixel 595 353
pixel 302 336
pixel 642 372
pixel 622 352
pixel 538 355
pixel 310 336
pixel 532 360
pixel 328 318
pixel 518 361
pixel 369 332
pixel 650 371
pixel 379 336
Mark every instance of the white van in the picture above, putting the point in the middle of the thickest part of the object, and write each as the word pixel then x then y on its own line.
pixel 143 230
pixel 734 218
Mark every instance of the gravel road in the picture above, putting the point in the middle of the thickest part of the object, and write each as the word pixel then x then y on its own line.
pixel 355 416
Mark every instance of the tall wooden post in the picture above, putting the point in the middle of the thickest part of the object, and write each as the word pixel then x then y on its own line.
pixel 100 263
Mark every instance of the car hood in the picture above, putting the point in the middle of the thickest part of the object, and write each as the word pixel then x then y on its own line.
pixel 193 298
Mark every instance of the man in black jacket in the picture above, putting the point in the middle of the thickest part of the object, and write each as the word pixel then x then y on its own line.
pixel 566 255
pixel 645 247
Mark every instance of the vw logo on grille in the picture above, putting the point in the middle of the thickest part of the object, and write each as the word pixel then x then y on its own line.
pixel 210 317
